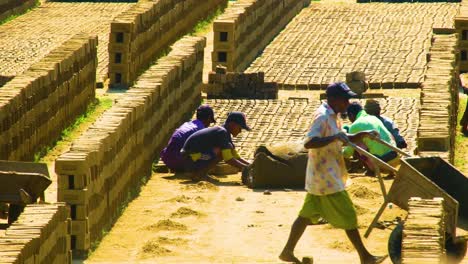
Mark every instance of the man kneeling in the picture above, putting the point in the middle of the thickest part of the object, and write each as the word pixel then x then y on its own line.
pixel 207 147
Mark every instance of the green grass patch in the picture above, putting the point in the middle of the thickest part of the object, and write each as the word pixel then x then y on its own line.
pixel 94 110
pixel 461 142
pixel 10 18
pixel 204 26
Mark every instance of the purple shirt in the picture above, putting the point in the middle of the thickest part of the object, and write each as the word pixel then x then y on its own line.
pixel 171 154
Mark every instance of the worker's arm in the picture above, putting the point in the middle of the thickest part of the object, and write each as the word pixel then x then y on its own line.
pixel 359 136
pixel 231 157
pixel 236 163
pixel 318 142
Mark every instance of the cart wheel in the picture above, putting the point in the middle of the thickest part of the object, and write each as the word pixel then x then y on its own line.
pixel 394 244
pixel 14 212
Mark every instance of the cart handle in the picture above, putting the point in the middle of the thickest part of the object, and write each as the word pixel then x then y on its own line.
pixel 374 159
pixel 378 139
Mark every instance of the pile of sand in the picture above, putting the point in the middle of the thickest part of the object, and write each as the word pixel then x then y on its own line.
pixel 186 199
pixel 361 191
pixel 286 149
pixel 167 225
pixel 184 212
pixel 203 186
pixel 154 249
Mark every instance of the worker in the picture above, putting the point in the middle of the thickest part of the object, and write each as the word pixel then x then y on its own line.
pixel 326 176
pixel 206 147
pixel 372 107
pixel 171 155
pixel 361 121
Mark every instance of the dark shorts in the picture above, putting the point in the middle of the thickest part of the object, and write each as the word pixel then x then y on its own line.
pixel 200 163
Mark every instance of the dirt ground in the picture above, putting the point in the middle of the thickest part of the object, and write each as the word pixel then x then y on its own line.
pixel 178 221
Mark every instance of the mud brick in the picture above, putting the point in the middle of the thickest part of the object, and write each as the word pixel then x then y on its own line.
pixel 72 164
pixel 80 241
pixel 79 227
pixel 74 181
pixel 73 196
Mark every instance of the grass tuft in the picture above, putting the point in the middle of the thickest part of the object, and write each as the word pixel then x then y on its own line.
pixel 10 18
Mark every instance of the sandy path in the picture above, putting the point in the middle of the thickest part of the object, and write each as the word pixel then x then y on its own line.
pixel 217 228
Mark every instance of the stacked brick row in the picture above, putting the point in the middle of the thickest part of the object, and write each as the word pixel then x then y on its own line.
pixel 247 27
pixel 14 7
pixel 233 85
pixel 40 235
pixel 116 152
pixel 145 31
pixel 38 104
pixel 461 26
pixel 424 232
pixel 439 99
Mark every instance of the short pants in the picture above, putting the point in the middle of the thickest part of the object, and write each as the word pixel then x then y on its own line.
pixel 336 208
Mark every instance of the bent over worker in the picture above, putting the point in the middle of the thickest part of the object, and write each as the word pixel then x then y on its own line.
pixel 205 148
pixel 170 155
pixel 326 176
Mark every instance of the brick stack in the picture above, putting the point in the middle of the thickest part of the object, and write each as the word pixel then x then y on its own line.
pixel 38 104
pixel 144 32
pixel 461 26
pixel 233 85
pixel 14 7
pixel 439 99
pixel 247 27
pixel 116 152
pixel 424 232
pixel 40 235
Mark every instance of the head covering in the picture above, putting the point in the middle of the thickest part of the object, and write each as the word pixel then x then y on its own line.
pixel 239 118
pixel 340 89
pixel 372 107
pixel 205 112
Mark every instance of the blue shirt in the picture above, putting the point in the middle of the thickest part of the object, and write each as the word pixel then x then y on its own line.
pixel 390 126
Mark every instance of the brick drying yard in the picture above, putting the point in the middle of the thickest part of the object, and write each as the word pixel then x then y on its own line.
pixel 388 42
pixel 171 219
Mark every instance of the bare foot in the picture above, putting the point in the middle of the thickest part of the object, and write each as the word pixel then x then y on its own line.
pixel 375 259
pixel 288 256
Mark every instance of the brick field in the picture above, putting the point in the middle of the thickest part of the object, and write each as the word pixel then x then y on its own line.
pixel 275 121
pixel 28 38
pixel 389 42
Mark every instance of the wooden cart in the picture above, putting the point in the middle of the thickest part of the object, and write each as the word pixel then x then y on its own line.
pixel 22 183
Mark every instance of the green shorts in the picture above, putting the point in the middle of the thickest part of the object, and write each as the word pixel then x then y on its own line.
pixel 336 208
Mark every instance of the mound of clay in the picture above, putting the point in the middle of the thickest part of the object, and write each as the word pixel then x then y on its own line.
pixel 186 199
pixel 361 191
pixel 153 248
pixel 287 149
pixel 184 212
pixel 166 224
pixel 203 186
